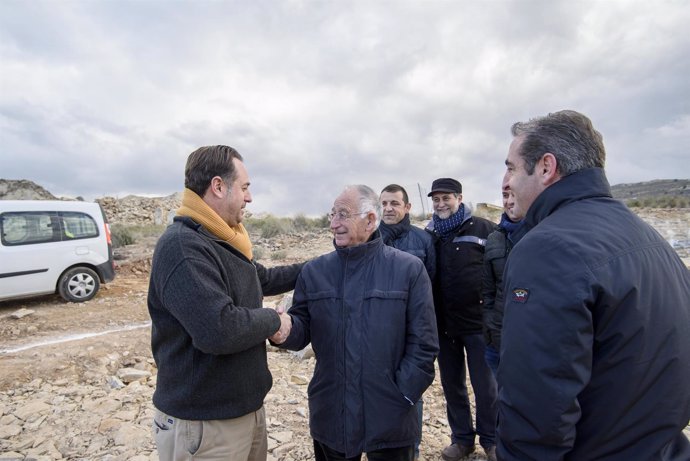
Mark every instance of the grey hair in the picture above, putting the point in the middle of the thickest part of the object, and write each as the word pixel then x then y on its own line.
pixel 568 135
pixel 368 200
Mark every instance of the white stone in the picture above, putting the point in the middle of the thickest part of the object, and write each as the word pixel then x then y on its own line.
pixel 31 411
pixel 131 436
pixel 10 431
pixel 11 456
pixel 282 436
pixel 23 312
pixel 128 375
pixel 299 379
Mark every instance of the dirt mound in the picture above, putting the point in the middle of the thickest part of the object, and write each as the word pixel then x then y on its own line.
pixel 136 210
pixel 23 189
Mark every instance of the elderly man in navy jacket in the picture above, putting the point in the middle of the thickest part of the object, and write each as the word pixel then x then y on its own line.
pixel 368 311
pixel 595 353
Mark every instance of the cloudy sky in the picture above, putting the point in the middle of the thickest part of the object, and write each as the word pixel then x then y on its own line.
pixel 109 97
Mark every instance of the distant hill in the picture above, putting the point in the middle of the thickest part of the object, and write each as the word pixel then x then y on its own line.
pixel 656 188
pixel 650 191
pixel 23 189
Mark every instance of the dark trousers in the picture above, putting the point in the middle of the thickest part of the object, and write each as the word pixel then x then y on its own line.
pixel 324 453
pixel 451 363
pixel 492 357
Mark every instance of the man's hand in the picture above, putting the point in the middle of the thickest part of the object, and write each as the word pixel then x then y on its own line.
pixel 283 332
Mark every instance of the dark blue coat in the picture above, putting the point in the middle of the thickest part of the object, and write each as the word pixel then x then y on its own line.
pixel 368 312
pixel 595 353
pixel 413 240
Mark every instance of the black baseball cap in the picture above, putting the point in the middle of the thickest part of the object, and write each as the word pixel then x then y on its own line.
pixel 445 185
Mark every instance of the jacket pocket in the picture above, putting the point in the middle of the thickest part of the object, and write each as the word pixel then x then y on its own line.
pixel 389 415
pixel 384 325
pixel 326 404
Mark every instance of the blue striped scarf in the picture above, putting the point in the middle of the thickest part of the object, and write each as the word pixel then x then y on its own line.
pixel 445 227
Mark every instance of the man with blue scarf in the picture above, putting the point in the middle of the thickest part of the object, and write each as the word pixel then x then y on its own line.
pixel 498 246
pixel 460 239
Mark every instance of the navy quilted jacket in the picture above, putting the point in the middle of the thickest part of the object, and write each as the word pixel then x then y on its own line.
pixel 368 313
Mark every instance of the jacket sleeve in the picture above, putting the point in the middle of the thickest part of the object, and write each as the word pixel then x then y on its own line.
pixel 195 294
pixel 546 350
pixel 416 371
pixel 430 260
pixel 488 292
pixel 300 334
pixel 277 280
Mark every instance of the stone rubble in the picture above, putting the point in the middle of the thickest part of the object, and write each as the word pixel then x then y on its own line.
pixel 108 417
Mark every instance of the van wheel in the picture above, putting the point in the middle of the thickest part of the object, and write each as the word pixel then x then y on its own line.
pixel 79 284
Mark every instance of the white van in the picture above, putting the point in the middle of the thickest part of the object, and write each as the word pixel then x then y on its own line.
pixel 53 246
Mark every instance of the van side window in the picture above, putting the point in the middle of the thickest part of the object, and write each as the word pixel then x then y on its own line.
pixel 78 226
pixel 30 227
pixel 27 227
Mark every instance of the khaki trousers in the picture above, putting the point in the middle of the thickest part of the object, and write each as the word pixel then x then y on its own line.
pixel 238 439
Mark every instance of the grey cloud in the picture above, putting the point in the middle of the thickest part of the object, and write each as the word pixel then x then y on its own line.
pixel 110 97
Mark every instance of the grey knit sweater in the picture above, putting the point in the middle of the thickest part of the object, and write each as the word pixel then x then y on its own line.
pixel 208 326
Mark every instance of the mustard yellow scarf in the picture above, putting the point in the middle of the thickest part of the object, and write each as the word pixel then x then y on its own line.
pixel 194 207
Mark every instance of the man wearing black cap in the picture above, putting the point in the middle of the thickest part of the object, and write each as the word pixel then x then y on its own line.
pixel 460 239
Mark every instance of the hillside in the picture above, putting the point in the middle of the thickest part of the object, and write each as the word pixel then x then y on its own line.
pixel 133 210
pixel 678 188
pixel 23 189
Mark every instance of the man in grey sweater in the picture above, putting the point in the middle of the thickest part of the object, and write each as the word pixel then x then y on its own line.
pixel 208 325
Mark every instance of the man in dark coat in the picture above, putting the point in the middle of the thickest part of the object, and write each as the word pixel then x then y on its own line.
pixel 367 310
pixel 498 246
pixel 397 231
pixel 460 241
pixel 595 352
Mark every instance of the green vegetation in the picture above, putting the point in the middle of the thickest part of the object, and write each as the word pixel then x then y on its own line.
pixel 257 253
pixel 278 255
pixel 121 236
pixel 128 234
pixel 270 226
pixel 663 201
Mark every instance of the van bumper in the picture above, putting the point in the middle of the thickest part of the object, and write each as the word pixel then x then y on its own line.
pixel 106 271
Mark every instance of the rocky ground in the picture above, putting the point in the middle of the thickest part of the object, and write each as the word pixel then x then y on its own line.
pixel 77 379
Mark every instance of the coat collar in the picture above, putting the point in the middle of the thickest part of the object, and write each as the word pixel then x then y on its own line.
pixel 587 183
pixel 361 251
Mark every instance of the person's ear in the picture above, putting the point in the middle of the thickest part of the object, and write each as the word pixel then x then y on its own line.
pixel 371 221
pixel 407 207
pixel 217 186
pixel 548 169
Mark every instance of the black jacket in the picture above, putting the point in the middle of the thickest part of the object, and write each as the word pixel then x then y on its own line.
pixel 497 248
pixel 595 354
pixel 368 313
pixel 459 271
pixel 208 327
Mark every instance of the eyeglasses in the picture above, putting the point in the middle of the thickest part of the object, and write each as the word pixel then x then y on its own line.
pixel 342 215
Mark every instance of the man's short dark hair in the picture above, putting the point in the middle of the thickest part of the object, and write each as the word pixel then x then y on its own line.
pixel 568 135
pixel 393 188
pixel 207 162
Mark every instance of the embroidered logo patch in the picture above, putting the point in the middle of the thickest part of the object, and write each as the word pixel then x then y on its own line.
pixel 520 295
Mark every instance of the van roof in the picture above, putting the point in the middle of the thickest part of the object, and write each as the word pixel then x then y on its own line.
pixel 51 205
pixel 14 205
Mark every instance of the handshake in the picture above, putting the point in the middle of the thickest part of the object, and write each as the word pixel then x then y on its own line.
pixel 283 332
